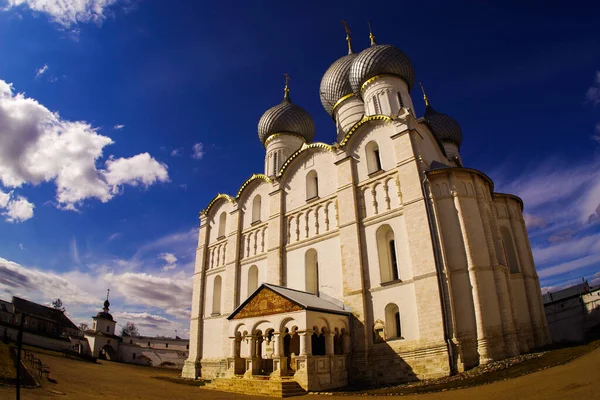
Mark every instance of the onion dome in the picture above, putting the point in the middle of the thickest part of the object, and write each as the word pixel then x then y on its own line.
pixel 286 117
pixel 106 303
pixel 444 127
pixel 104 315
pixel 335 84
pixel 383 59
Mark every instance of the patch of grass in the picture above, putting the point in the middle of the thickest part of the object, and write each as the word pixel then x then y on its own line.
pixel 182 381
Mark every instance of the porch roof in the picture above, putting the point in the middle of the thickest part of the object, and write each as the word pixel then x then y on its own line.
pixel 307 301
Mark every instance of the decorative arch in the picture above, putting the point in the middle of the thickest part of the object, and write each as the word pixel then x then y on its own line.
pixel 249 181
pixel 360 123
pixel 388 256
pixel 216 200
pixel 304 149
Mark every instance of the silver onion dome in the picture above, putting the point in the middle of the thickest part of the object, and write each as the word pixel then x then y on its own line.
pixel 286 117
pixel 444 127
pixel 381 59
pixel 335 83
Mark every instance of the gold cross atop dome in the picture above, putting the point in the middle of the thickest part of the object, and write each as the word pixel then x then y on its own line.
pixel 424 95
pixel 348 38
pixel 371 36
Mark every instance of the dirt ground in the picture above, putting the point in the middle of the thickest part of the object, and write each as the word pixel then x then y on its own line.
pixel 108 380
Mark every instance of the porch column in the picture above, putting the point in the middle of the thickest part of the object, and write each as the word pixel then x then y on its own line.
pixel 329 343
pixel 276 344
pixel 252 346
pixel 305 344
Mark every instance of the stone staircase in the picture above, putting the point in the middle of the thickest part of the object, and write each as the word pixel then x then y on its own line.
pixel 285 387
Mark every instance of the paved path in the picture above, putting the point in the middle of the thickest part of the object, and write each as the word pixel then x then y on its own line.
pixel 578 379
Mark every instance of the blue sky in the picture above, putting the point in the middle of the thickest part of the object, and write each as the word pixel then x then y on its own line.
pixel 120 120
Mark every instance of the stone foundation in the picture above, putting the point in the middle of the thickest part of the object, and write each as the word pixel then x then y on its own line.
pixel 214 368
pixel 258 387
pixel 387 366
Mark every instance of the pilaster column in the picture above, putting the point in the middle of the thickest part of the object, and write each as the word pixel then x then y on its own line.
pixel 484 297
pixel 232 351
pixel 506 317
pixel 191 368
pixel 529 278
pixel 275 237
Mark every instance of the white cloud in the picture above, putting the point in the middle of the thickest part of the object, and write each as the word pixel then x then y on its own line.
pixel 176 152
pixel 41 71
pixel 150 324
pixel 118 127
pixel 198 151
pixel 141 169
pixel 74 251
pixel 37 146
pixel 21 246
pixel 39 285
pixel 16 208
pixel 593 93
pixel 169 258
pixel 569 266
pixel 67 12
pixel 151 290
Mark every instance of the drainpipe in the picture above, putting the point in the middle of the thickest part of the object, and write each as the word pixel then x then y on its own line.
pixel 439 265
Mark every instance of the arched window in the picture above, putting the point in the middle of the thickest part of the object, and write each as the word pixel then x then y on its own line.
pixel 376 105
pixel 510 252
pixel 312 271
pixel 388 259
pixel 393 325
pixel 400 102
pixel 312 185
pixel 373 157
pixel 216 304
pixel 252 279
pixel 275 163
pixel 222 223
pixel 256 204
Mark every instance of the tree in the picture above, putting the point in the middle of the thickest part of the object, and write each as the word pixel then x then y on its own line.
pixel 130 329
pixel 58 305
pixel 83 327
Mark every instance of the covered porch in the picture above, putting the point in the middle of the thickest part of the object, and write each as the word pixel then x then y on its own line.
pixel 280 333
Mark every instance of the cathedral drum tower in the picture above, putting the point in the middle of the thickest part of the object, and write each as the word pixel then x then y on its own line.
pixel 378 258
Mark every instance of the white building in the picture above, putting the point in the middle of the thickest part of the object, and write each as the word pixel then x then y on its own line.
pixel 101 341
pixel 378 257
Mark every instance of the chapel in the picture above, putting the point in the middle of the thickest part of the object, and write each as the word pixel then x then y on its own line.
pixel 377 257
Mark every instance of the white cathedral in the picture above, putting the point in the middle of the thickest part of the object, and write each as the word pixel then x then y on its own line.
pixel 377 258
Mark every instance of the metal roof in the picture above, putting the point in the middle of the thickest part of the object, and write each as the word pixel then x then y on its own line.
pixel 308 301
